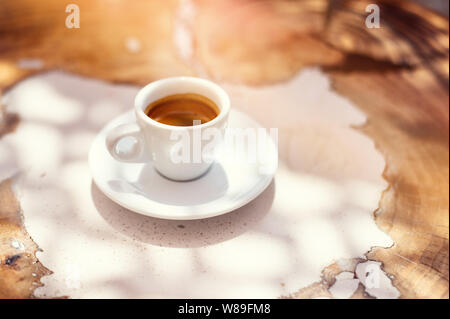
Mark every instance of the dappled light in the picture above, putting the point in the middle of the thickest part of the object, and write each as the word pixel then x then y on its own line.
pixel 317 210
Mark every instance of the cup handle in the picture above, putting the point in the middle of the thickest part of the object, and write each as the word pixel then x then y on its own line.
pixel 136 152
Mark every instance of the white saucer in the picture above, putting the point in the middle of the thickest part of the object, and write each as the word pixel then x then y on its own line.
pixel 138 187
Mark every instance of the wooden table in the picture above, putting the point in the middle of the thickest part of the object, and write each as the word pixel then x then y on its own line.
pixel 398 75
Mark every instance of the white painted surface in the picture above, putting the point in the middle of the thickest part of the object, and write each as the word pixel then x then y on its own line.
pixel 345 285
pixel 318 210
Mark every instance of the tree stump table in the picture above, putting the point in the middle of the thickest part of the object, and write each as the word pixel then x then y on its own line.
pixel 397 74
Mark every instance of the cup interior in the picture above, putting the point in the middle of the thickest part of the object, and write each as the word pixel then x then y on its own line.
pixel 177 85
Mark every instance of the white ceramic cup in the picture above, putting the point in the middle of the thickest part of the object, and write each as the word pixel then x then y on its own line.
pixel 155 141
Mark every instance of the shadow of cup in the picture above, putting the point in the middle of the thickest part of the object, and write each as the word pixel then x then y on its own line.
pixel 183 233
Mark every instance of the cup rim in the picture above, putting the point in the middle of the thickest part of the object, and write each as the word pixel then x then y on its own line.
pixel 144 91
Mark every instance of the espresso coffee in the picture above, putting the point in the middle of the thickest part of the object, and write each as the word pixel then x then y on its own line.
pixel 182 109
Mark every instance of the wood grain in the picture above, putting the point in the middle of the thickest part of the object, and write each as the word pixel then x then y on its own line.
pixel 398 75
pixel 20 270
pixel 414 140
pixel 99 46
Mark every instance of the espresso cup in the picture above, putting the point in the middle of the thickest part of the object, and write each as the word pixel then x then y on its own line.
pixel 157 143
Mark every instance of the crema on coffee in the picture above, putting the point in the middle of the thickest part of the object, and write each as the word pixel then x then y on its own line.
pixel 182 109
